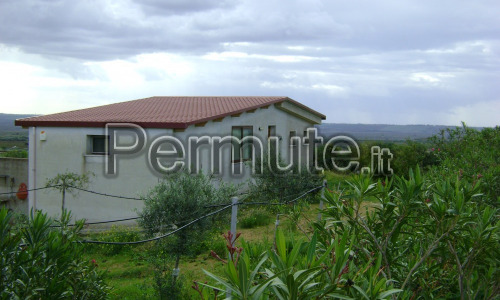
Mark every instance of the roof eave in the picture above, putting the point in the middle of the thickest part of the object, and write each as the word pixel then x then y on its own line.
pixel 166 125
pixel 320 115
pixel 235 112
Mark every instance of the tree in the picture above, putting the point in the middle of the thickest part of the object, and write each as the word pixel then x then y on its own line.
pixel 69 182
pixel 282 185
pixel 177 200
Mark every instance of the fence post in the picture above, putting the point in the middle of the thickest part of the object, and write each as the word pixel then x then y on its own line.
pixel 276 224
pixel 176 270
pixel 234 219
pixel 234 216
pixel 321 199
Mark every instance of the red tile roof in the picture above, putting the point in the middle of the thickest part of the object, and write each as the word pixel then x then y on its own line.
pixel 158 112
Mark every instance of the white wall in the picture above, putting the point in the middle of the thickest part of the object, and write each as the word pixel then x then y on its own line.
pixel 65 150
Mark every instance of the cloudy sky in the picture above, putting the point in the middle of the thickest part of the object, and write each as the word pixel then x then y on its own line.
pixel 359 61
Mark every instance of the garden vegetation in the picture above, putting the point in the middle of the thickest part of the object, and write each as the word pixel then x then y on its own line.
pixel 431 231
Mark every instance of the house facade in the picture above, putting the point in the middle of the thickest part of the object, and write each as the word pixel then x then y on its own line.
pixel 79 142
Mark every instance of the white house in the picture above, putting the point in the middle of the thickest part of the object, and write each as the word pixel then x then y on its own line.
pixel 77 141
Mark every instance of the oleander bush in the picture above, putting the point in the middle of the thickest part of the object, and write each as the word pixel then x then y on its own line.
pixel 472 155
pixel 41 261
pixel 421 238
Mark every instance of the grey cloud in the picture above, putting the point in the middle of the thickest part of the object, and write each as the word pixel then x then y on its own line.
pixel 394 60
pixel 180 7
pixel 96 31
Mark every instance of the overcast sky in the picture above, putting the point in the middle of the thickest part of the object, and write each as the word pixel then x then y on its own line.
pixel 392 62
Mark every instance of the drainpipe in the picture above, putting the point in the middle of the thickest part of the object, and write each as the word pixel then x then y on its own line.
pixel 32 169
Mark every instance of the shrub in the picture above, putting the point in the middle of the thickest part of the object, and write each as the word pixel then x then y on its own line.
pixel 214 243
pixel 471 155
pixel 114 234
pixel 15 154
pixel 254 250
pixel 165 285
pixel 39 261
pixel 411 154
pixel 297 270
pixel 254 218
pixel 426 239
pixel 282 186
pixel 438 228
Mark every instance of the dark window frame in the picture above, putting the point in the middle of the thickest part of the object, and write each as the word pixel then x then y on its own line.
pixel 92 144
pixel 243 156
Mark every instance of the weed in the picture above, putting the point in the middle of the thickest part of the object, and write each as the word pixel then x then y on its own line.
pixel 255 217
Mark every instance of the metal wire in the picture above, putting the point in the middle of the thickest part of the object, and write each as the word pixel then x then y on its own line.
pixel 103 194
pixel 196 220
pixel 100 222
pixel 35 189
pixel 226 206
pixel 158 237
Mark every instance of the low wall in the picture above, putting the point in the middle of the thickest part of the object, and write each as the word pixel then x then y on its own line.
pixel 13 172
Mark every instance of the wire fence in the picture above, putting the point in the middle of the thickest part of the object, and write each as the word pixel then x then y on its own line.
pixel 102 222
pixel 158 237
pixel 236 202
pixel 104 194
pixel 31 190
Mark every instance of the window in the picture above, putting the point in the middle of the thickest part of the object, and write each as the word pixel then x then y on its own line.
pixel 242 151
pixel 271 131
pixel 97 144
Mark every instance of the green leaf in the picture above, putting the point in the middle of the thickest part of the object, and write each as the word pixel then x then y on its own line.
pixel 222 282
pixel 338 296
pixel 312 249
pixel 388 293
pixel 323 256
pixel 243 277
pixel 292 258
pixel 360 290
pixel 281 244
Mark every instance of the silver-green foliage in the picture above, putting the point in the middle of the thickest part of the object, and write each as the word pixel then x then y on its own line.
pixel 179 199
pixel 172 203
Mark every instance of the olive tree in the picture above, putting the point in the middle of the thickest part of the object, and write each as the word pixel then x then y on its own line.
pixel 177 200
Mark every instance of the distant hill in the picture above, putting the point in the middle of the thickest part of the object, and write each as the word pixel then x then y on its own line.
pixel 380 132
pixel 11 135
pixel 7 123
